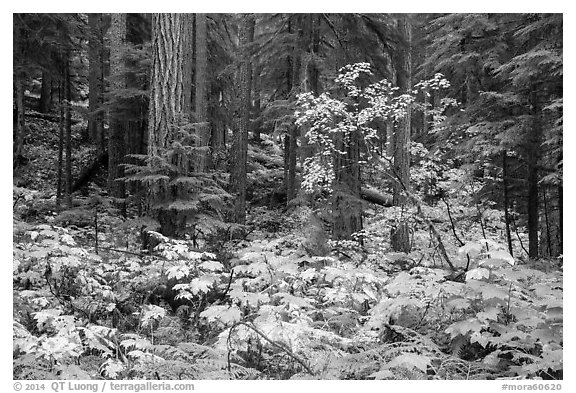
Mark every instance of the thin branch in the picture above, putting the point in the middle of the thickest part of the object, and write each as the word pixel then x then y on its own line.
pixel 278 345
pixel 452 223
pixel 434 232
pixel 454 231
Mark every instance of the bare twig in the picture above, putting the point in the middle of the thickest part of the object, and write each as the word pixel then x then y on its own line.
pixel 278 345
pixel 452 223
pixel 394 176
pixel 454 231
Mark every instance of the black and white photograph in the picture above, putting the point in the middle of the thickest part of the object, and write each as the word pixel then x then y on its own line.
pixel 286 196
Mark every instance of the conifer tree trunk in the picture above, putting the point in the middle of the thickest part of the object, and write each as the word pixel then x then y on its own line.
pixel 390 137
pixel 313 75
pixel 201 103
pixel 346 204
pixel 400 235
pixel 346 200
pixel 257 107
pixel 506 201
pixel 166 89
pixel 136 126
pixel 19 121
pixel 167 105
pixel 68 128
pixel 291 146
pixel 96 80
pixel 116 137
pixel 188 74
pixel 19 112
pixel 560 219
pixel 314 70
pixel 59 181
pixel 533 152
pixel 240 147
pixel 45 103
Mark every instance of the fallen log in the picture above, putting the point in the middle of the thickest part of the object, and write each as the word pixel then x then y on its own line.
pixel 90 171
pixel 372 195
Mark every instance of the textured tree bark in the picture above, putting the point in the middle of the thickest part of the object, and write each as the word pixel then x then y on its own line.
pixel 116 137
pixel 400 235
pixel 19 120
pixel 240 147
pixel 96 80
pixel 188 49
pixel 167 104
pixel 166 90
pixel 201 104
pixel 402 139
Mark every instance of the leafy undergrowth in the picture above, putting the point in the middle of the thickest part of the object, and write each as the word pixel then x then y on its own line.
pixel 266 308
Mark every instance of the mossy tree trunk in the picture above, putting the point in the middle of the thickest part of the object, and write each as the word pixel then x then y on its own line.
pixel 96 80
pixel 240 146
pixel 118 129
pixel 201 99
pixel 400 237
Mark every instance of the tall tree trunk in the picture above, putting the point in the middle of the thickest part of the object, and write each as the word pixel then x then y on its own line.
pixel 201 104
pixel 315 52
pixel 240 147
pixel 291 145
pixel 136 135
pixel 287 87
pixel 218 132
pixel 256 108
pixel 116 137
pixel 19 124
pixel 188 48
pixel 560 219
pixel 506 201
pixel 59 181
pixel 313 76
pixel 389 123
pixel 19 120
pixel 533 150
pixel 546 238
pixel 96 80
pixel 45 103
pixel 390 143
pixel 68 127
pixel 166 107
pixel 166 90
pixel 346 199
pixel 400 235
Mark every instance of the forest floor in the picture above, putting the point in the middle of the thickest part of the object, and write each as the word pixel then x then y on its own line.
pixel 281 301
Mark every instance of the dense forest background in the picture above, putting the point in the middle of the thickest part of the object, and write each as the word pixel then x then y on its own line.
pixel 350 196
